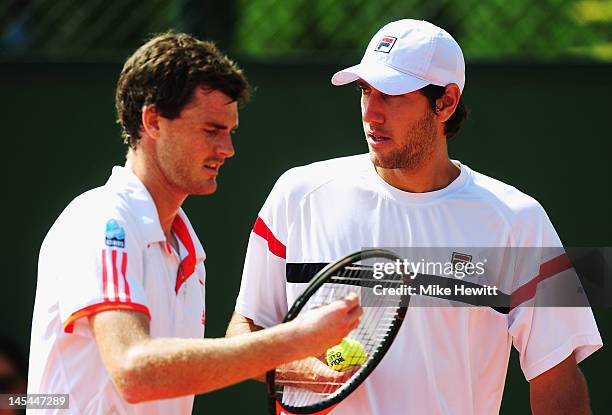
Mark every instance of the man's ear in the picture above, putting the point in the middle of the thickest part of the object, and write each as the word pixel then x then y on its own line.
pixel 150 121
pixel 447 103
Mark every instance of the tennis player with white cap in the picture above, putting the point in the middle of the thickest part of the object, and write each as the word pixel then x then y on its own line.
pixel 407 192
pixel 408 55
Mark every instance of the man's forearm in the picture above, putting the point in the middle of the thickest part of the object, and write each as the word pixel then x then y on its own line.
pixel 241 325
pixel 165 368
pixel 145 368
pixel 562 391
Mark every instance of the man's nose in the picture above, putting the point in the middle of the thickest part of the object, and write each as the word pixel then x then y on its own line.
pixel 372 109
pixel 225 148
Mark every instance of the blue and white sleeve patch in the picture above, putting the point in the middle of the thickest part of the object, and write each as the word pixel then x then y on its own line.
pixel 115 235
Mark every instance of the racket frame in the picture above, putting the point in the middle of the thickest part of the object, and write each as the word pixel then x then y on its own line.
pixel 317 281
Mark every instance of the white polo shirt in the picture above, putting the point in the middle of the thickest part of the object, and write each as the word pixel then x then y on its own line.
pixel 445 360
pixel 107 251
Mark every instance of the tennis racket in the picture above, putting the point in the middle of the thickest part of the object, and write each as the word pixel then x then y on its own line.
pixel 310 386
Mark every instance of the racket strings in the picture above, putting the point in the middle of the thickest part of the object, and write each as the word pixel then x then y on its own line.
pixel 316 381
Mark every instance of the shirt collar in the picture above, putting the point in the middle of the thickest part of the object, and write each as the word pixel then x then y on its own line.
pixel 195 253
pixel 184 231
pixel 125 182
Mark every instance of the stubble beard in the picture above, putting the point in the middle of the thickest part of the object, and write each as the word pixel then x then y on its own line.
pixel 178 175
pixel 418 147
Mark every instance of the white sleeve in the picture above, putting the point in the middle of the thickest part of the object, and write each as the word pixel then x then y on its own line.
pixel 544 333
pixel 101 269
pixel 263 296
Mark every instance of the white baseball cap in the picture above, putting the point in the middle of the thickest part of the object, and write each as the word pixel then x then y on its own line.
pixel 407 55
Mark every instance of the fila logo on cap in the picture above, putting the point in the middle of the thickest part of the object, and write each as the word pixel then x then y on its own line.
pixel 406 55
pixel 385 44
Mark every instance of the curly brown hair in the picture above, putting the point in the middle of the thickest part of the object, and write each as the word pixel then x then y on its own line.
pixel 165 72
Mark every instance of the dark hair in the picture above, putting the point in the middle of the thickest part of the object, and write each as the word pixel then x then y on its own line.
pixel 452 125
pixel 165 72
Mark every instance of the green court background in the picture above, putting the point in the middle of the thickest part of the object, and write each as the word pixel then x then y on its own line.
pixel 545 129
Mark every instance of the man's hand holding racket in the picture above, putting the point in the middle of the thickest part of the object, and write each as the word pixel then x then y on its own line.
pixel 313 374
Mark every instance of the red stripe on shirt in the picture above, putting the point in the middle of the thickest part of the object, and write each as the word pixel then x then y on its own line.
pixel 115 274
pixel 104 306
pixel 274 245
pixel 188 264
pixel 104 276
pixel 547 270
pixel 124 273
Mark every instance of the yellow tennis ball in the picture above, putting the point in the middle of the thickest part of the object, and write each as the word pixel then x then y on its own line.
pixel 345 355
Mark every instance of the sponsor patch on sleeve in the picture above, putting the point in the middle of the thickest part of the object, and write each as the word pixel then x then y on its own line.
pixel 114 235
